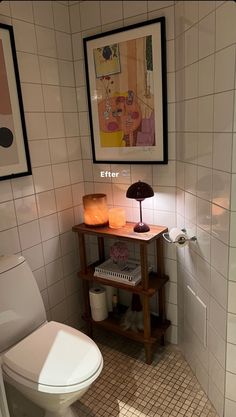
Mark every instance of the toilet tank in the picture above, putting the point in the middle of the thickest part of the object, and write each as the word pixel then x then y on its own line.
pixel 21 305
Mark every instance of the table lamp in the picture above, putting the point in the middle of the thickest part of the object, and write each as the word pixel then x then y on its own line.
pixel 139 191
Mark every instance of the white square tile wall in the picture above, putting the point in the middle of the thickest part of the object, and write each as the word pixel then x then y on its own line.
pixel 213 120
pixel 37 212
pixel 34 209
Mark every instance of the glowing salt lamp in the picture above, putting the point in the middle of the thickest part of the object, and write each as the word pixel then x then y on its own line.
pixel 117 218
pixel 95 210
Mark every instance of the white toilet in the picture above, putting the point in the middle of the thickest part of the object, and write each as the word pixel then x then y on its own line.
pixel 50 363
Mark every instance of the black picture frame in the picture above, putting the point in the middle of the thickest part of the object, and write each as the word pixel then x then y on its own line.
pixel 14 151
pixel 116 137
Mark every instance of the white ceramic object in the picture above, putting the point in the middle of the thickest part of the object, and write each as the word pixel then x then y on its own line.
pixel 51 364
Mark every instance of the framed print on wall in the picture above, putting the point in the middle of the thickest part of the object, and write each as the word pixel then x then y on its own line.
pixel 127 94
pixel 14 152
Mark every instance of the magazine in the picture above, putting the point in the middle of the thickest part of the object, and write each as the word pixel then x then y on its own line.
pixel 129 274
pixel 132 282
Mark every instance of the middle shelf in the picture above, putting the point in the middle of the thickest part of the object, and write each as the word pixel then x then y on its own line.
pixel 155 281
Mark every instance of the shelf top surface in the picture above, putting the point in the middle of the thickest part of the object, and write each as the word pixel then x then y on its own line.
pixel 125 232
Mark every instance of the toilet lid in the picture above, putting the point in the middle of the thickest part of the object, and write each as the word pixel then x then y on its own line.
pixel 56 355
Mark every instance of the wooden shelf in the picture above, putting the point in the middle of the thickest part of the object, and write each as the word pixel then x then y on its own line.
pixel 158 329
pixel 155 282
pixel 151 283
pixel 125 233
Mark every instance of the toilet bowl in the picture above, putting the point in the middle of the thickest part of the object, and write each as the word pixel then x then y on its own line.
pixel 53 365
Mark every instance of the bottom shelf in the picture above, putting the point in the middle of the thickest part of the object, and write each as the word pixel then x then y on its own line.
pixel 114 325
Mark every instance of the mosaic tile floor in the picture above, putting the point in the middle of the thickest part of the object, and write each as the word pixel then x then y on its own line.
pixel 127 387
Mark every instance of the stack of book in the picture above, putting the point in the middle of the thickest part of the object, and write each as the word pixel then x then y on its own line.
pixel 129 274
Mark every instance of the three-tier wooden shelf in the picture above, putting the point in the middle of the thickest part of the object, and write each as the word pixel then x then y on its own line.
pixel 151 283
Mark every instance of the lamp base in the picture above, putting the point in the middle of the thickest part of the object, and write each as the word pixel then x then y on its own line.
pixel 141 227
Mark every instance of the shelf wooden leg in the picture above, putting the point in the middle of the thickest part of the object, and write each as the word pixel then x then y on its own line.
pixel 161 301
pixel 101 249
pixel 87 313
pixel 85 285
pixel 147 329
pixel 90 330
pixel 160 256
pixel 162 341
pixel 148 353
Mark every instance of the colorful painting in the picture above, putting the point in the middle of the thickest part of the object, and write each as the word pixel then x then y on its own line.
pixel 8 150
pixel 127 84
pixel 107 60
pixel 126 100
pixel 14 155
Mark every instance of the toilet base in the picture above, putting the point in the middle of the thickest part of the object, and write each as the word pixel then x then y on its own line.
pixel 68 412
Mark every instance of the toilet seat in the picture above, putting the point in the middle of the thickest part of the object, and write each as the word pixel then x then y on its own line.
pixel 54 359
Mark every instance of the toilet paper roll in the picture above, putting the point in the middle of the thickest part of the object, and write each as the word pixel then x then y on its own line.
pixel 110 291
pixel 178 237
pixel 98 303
pixel 99 314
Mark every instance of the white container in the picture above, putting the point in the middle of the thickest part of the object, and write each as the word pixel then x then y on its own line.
pixel 98 303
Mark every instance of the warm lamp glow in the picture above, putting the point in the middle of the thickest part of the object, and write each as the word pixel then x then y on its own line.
pixel 95 210
pixel 116 218
pixel 222 202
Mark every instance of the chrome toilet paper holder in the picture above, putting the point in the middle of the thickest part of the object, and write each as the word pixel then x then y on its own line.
pixel 182 240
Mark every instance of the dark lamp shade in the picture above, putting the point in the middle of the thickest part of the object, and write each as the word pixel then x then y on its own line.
pixel 139 191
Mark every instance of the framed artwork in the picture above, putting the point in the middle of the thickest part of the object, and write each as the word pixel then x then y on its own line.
pixel 14 152
pixel 127 94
